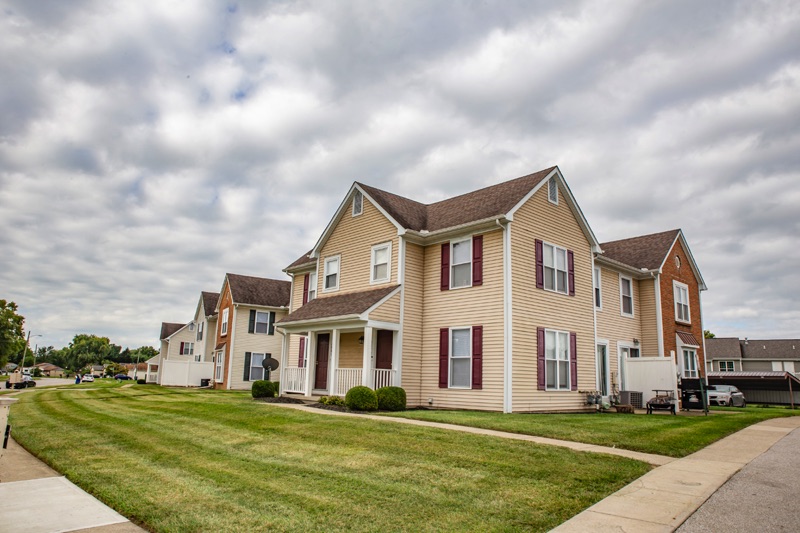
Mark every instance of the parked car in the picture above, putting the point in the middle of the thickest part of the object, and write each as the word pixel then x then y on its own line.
pixel 727 395
pixel 120 377
pixel 88 378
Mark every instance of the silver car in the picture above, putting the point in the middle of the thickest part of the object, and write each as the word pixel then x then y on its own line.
pixel 727 395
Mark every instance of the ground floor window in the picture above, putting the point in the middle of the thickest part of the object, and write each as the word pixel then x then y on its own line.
pixel 219 359
pixel 256 366
pixel 628 351
pixel 690 363
pixel 556 356
pixel 460 358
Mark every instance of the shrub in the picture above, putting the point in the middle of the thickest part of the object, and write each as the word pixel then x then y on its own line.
pixel 263 389
pixel 361 399
pixel 141 381
pixel 391 398
pixel 277 385
pixel 331 400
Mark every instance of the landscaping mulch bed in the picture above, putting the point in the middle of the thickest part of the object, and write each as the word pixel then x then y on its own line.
pixel 340 408
pixel 282 399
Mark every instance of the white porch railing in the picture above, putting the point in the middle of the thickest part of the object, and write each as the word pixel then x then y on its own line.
pixel 152 377
pixel 294 380
pixel 346 379
pixel 382 377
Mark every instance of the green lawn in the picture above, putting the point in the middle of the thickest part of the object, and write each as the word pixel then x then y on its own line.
pixel 664 434
pixel 181 460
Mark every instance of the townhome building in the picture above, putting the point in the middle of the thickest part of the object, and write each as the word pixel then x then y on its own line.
pixel 247 310
pixel 649 318
pixel 482 301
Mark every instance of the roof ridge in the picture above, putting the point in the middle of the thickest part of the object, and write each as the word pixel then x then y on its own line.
pixel 676 230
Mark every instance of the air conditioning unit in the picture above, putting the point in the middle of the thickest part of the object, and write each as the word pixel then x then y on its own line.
pixel 630 397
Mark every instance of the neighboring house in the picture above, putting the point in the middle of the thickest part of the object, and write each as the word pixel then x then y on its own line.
pixel 764 370
pixel 649 319
pixel 247 310
pixel 482 301
pixel 98 371
pixel 136 371
pixel 177 344
pixel 50 370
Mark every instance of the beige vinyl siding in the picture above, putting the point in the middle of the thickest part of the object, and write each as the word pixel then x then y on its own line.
pixel 388 311
pixel 353 239
pixel 252 342
pixel 293 357
pixel 532 307
pixel 351 352
pixel 463 307
pixel 648 318
pixel 756 366
pixel 184 335
pixel 297 291
pixel 412 322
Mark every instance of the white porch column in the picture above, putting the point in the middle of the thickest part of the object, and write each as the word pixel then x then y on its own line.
pixel 284 361
pixel 397 359
pixel 312 361
pixel 334 362
pixel 366 368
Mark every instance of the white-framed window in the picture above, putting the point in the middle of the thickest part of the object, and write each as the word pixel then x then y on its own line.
pixel 188 348
pixel 200 331
pixel 332 273
pixel 460 358
pixel 556 359
pixel 461 263
pixel 681 291
pixel 256 366
pixel 598 297
pixel 197 357
pixel 629 352
pixel 380 269
pixel 690 363
pixel 224 324
pixel 312 286
pixel 726 366
pixel 556 277
pixel 552 191
pixel 262 322
pixel 219 360
pixel 625 295
pixel 358 203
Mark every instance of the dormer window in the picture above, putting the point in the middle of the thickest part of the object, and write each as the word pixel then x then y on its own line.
pixel 552 191
pixel 358 203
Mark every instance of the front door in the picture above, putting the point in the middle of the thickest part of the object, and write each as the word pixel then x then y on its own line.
pixel 602 369
pixel 321 370
pixel 383 358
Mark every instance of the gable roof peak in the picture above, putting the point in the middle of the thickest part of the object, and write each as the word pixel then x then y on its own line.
pixel 258 291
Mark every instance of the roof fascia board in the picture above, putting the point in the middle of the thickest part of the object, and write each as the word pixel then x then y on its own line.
pixel 176 332
pixel 571 202
pixel 293 326
pixel 259 306
pixel 636 272
pixel 340 213
pixel 692 262
pixel 446 234
pixel 311 265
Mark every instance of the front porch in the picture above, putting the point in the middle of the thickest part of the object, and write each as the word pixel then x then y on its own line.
pixel 331 362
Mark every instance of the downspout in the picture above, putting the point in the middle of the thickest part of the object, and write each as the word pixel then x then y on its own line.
pixel 659 323
pixel 508 404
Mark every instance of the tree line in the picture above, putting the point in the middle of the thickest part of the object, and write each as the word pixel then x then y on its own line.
pixel 84 351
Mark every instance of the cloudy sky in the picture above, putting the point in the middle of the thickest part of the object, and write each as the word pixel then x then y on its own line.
pixel 146 148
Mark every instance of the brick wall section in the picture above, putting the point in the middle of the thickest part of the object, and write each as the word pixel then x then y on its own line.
pixel 226 301
pixel 684 274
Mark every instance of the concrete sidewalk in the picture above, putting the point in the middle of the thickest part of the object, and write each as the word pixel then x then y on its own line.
pixel 37 499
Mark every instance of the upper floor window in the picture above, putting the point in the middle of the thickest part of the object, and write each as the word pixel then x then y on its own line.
pixel 681 302
pixel 726 366
pixel 200 331
pixel 224 324
pixel 187 348
pixel 598 302
pixel 358 203
pixel 552 191
pixel 461 265
pixel 381 256
pixel 312 286
pixel 626 295
pixel 332 273
pixel 557 360
pixel 261 322
pixel 555 268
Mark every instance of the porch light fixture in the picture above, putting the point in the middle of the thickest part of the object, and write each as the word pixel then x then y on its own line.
pixel 636 342
pixel 361 339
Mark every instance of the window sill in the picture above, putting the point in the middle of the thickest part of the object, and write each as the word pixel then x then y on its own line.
pixel 555 291
pixel 683 322
pixel 461 287
pixel 627 315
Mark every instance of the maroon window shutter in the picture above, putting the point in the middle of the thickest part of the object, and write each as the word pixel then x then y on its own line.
pixel 477 357
pixel 573 361
pixel 444 353
pixel 305 289
pixel 539 265
pixel 477 260
pixel 540 366
pixel 571 272
pixel 445 281
pixel 301 360
pixel 181 352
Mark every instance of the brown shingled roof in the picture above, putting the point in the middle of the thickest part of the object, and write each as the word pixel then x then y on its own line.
pixel 169 328
pixel 488 202
pixel 259 291
pixel 719 348
pixel 353 303
pixel 771 349
pixel 209 302
pixel 303 260
pixel 646 251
